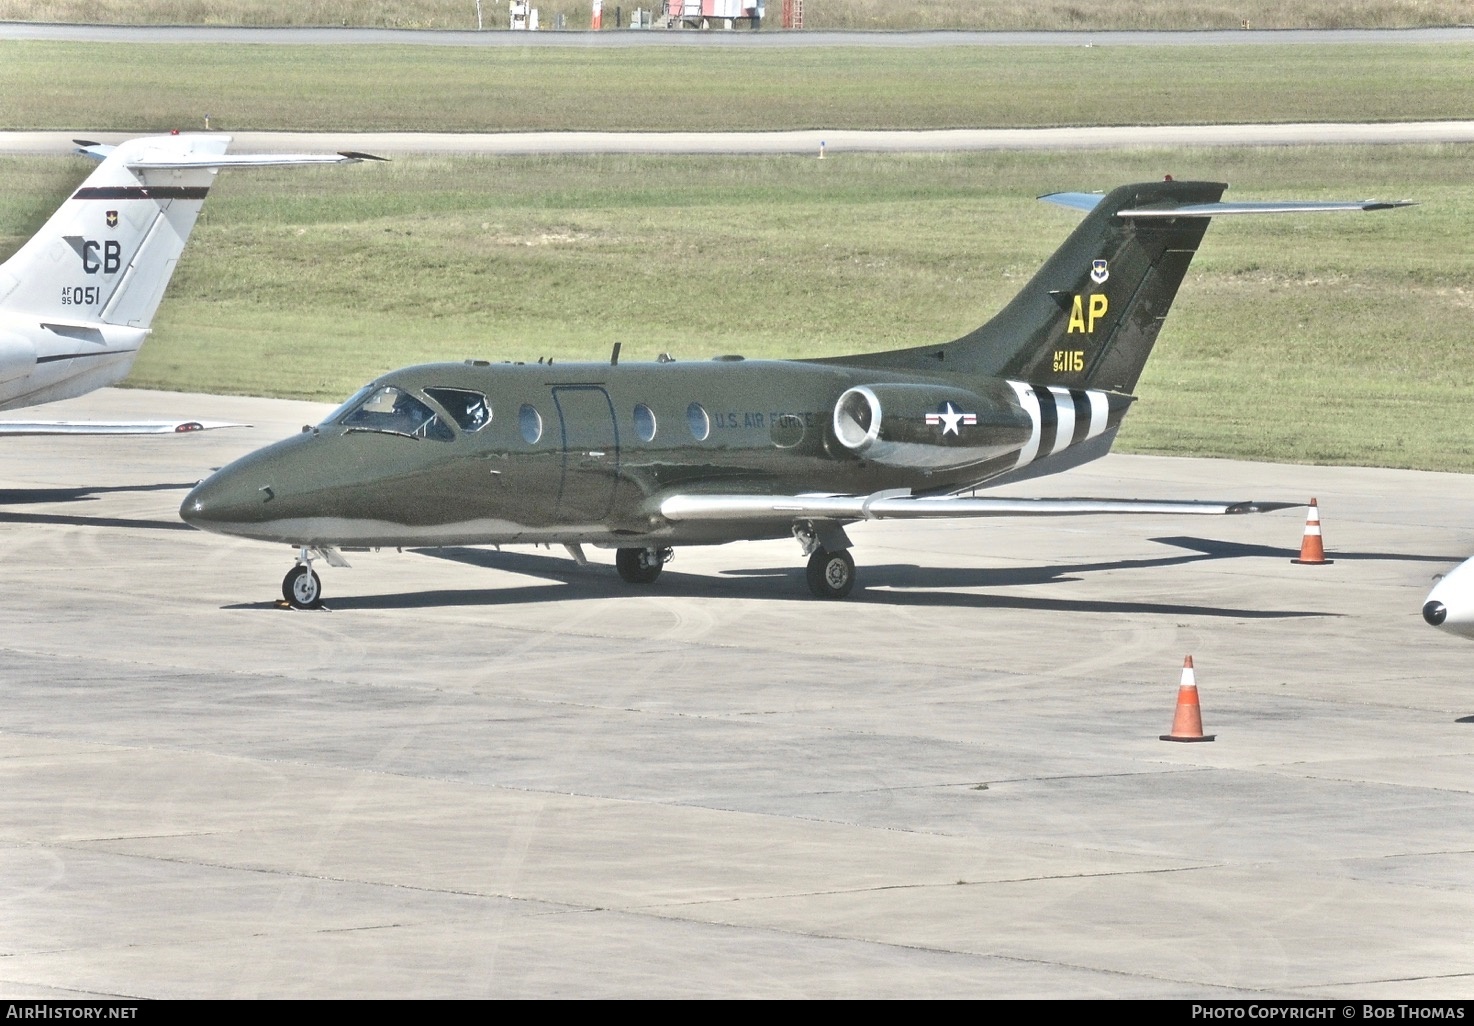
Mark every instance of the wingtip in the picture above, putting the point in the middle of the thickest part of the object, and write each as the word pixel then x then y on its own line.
pixel 356 155
pixel 1261 507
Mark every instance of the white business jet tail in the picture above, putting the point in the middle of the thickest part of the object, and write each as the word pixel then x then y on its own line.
pixel 77 300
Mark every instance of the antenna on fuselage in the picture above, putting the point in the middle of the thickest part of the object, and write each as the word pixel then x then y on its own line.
pixel 614 356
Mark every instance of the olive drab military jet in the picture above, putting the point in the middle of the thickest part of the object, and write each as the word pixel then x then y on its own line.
pixel 77 299
pixel 645 457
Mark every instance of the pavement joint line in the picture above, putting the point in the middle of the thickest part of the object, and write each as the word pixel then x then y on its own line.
pixel 1397 979
pixel 277 871
pixel 965 953
pixel 933 885
pixel 671 646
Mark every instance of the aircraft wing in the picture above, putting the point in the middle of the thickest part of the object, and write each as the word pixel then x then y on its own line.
pixel 901 506
pixel 96 427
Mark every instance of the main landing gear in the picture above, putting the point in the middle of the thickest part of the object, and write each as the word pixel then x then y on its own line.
pixel 641 566
pixel 831 574
pixel 831 571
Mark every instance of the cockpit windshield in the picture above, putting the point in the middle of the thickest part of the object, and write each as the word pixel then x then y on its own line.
pixel 392 410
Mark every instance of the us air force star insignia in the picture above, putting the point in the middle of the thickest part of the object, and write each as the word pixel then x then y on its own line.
pixel 1099 272
pixel 112 218
pixel 949 417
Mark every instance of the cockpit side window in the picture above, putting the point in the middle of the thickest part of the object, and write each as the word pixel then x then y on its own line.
pixel 469 409
pixel 392 410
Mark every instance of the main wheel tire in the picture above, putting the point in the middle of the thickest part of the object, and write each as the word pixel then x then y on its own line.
pixel 638 566
pixel 831 574
pixel 302 588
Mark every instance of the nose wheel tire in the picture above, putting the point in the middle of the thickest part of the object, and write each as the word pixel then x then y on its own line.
pixel 831 574
pixel 302 588
pixel 639 566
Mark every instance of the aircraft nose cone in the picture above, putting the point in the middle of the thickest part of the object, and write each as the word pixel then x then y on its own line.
pixel 1434 613
pixel 220 499
pixel 199 506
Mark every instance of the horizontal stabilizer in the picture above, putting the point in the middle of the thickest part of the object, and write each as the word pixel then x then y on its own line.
pixel 95 150
pixel 195 161
pixel 1287 207
pixel 886 506
pixel 97 427
pixel 1090 200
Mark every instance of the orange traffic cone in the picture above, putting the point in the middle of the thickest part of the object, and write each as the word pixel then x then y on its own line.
pixel 1187 724
pixel 1312 551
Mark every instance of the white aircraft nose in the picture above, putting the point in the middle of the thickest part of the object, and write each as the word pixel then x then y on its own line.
pixel 1450 605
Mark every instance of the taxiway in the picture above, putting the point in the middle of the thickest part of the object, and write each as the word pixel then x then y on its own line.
pixel 480 774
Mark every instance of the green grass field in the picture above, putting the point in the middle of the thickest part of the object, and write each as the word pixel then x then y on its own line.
pixel 818 14
pixel 90 87
pixel 1332 339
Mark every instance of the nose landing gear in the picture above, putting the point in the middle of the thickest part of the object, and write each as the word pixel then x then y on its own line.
pixel 301 587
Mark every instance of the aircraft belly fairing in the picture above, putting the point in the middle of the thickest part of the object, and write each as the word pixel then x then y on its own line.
pixel 644 456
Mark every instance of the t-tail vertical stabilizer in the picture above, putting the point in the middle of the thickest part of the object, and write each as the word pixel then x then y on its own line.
pixel 1090 316
pixel 1077 336
pixel 77 300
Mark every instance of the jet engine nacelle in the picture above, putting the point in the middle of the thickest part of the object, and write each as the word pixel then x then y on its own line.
pixel 17 356
pixel 930 426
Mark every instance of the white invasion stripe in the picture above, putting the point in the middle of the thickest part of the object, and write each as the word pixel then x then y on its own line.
pixel 1099 409
pixel 1030 403
pixel 1064 427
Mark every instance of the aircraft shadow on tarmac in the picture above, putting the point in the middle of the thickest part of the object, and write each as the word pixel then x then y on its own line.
pixel 38 496
pixel 1213 548
pixel 885 584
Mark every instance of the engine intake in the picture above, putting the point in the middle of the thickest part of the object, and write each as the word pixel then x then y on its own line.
pixel 930 426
